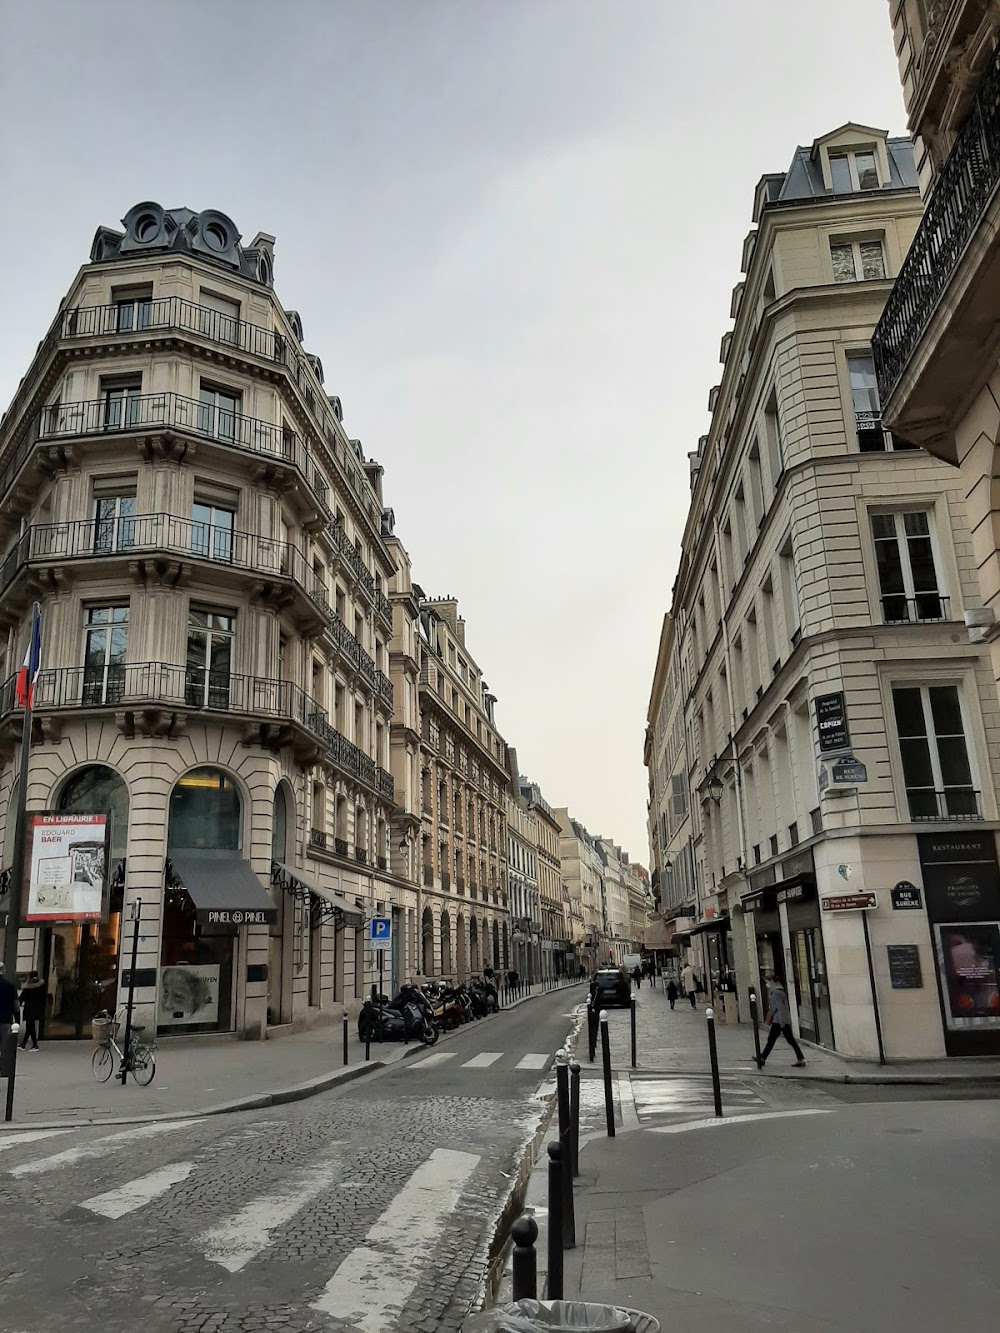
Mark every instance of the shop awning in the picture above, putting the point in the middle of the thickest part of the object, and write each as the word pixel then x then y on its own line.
pixel 223 888
pixel 714 923
pixel 328 902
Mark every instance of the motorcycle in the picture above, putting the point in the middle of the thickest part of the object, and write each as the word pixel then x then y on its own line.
pixel 407 1017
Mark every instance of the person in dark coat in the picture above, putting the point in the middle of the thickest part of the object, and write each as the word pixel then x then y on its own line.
pixel 10 1009
pixel 672 992
pixel 779 1016
pixel 32 1008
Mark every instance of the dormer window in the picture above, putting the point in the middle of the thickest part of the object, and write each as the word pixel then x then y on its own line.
pixel 854 171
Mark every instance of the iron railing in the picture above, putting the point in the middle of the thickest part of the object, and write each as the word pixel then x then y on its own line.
pixel 953 803
pixel 161 684
pixel 898 609
pixel 317 838
pixel 352 559
pixel 383 687
pixel 957 203
pixel 361 855
pixel 340 846
pixel 383 607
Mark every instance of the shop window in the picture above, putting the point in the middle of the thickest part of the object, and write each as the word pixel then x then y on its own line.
pixel 206 812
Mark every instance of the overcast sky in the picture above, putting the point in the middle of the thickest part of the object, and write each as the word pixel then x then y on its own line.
pixel 511 228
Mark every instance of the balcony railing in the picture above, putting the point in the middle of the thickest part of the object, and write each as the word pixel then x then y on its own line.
pixel 382 863
pixel 161 684
pixel 340 846
pixel 955 803
pixel 429 876
pixel 445 879
pixel 317 838
pixel 352 559
pixel 898 609
pixel 361 855
pixel 383 607
pixel 383 687
pixel 954 210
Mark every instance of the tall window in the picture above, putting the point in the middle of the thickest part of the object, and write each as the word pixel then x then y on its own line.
pixel 775 444
pixel 854 171
pixel 114 523
pixel 209 659
pixel 932 745
pixel 212 532
pixel 907 577
pixel 122 405
pixel 105 642
pixel 790 592
pixel 756 484
pixel 867 408
pixel 217 412
pixel 205 812
pixel 218 318
pixel 132 308
pixel 857 261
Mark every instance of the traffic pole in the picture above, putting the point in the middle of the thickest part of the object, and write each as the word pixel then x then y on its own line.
pixel 346 1050
pixel 756 1026
pixel 525 1262
pixel 713 1056
pixel 574 1115
pixel 566 1151
pixel 554 1288
pixel 633 1032
pixel 609 1100
pixel 136 917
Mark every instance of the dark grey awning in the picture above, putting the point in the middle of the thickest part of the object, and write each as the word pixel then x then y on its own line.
pixel 223 888
pixel 329 901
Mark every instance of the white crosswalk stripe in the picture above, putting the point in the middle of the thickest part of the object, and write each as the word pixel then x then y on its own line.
pixel 483 1060
pixel 98 1147
pixel 240 1238
pixel 533 1061
pixel 429 1061
pixel 29 1136
pixel 374 1282
pixel 137 1193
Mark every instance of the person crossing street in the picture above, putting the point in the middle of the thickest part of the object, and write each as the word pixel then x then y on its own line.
pixel 780 1018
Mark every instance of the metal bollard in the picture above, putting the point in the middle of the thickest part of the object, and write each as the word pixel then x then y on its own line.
pixel 8 1070
pixel 368 1043
pixel 347 1055
pixel 713 1055
pixel 633 1031
pixel 562 1100
pixel 554 1287
pixel 525 1262
pixel 756 1027
pixel 591 1031
pixel 574 1115
pixel 609 1100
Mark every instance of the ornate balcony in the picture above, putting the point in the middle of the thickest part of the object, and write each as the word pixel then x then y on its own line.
pixel 963 194
pixel 383 607
pixel 384 784
pixel 383 687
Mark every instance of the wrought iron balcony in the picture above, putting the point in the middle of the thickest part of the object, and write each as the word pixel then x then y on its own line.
pixel 383 607
pixel 445 879
pixel 352 559
pixel 384 783
pixel 898 609
pixel 317 838
pixel 960 197
pixel 953 803
pixel 361 855
pixel 429 876
pixel 382 863
pixel 383 687
pixel 340 846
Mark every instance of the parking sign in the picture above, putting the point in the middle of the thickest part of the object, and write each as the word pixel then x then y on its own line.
pixel 380 932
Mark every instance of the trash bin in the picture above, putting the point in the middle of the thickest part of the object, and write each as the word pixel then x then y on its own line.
pixel 567 1316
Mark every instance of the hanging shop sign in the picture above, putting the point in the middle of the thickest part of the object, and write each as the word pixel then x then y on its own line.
pixel 831 723
pixel 67 867
pixel 849 902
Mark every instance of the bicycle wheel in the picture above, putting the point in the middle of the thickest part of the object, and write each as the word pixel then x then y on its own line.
pixel 102 1062
pixel 143 1065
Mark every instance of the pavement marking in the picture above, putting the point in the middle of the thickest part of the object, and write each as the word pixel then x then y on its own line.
pixel 438 1058
pixel 372 1285
pixel 483 1060
pixel 240 1238
pixel 29 1136
pixel 99 1147
pixel 736 1120
pixel 137 1193
pixel 533 1062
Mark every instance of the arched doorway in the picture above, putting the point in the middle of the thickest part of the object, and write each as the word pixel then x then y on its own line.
pixel 496 944
pixel 427 944
pixel 79 963
pixel 506 948
pixel 197 958
pixel 285 928
pixel 474 945
pixel 446 967
pixel 463 948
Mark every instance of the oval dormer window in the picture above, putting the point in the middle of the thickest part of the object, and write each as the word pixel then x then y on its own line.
pixel 146 226
pixel 263 268
pixel 215 236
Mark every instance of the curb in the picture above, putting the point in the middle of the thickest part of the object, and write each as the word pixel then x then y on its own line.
pixel 297 1092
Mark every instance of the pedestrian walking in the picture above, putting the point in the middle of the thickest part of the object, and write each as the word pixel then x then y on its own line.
pixel 10 1009
pixel 689 984
pixel 780 1018
pixel 32 1009
pixel 672 992
pixel 637 978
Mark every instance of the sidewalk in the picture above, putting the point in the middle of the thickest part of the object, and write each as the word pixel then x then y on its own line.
pixel 56 1087
pixel 677 1042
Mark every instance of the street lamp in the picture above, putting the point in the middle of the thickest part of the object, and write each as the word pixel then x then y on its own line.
pixel 715 789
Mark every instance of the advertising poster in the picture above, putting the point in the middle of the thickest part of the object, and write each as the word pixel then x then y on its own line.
pixel 67 867
pixel 969 958
pixel 189 993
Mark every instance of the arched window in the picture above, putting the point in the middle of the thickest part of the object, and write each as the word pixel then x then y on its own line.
pixel 282 824
pixel 206 812
pixel 95 790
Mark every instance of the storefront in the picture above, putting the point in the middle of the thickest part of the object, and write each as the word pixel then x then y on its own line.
pixel 962 889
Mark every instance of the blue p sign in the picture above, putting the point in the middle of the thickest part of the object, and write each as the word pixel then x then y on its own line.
pixel 380 931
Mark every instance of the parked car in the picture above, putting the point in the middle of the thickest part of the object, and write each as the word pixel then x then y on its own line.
pixel 611 987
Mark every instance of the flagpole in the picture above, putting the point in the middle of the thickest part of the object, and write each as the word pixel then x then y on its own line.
pixel 15 906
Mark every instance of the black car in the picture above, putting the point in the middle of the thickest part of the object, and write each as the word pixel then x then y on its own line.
pixel 611 987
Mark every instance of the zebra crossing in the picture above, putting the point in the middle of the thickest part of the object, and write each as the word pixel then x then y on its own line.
pixel 533 1062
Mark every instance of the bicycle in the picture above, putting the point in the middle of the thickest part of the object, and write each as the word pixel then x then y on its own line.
pixel 139 1060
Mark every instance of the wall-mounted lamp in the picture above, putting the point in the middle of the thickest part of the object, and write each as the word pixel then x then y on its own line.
pixel 715 789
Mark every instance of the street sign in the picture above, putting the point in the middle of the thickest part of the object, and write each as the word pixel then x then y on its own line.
pixel 831 723
pixel 905 896
pixel 380 932
pixel 849 902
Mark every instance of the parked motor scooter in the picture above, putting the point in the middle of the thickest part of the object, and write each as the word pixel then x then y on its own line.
pixel 408 1017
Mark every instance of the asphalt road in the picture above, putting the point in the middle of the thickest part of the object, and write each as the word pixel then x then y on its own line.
pixel 370 1208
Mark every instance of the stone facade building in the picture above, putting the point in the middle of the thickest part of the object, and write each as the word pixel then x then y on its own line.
pixel 840 730
pixel 558 958
pixel 464 906
pixel 207 543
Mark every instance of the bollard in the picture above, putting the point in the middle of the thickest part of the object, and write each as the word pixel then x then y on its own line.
pixel 8 1069
pixel 368 1043
pixel 574 1115
pixel 525 1262
pixel 756 1028
pixel 347 1055
pixel 562 1100
pixel 713 1055
pixel 591 1030
pixel 633 1031
pixel 609 1101
pixel 554 1287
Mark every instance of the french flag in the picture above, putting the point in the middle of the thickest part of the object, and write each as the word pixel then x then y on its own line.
pixel 24 686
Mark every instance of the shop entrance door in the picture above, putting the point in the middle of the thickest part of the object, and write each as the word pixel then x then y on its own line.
pixel 80 970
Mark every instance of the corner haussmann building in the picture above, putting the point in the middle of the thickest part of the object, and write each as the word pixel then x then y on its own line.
pixel 178 492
